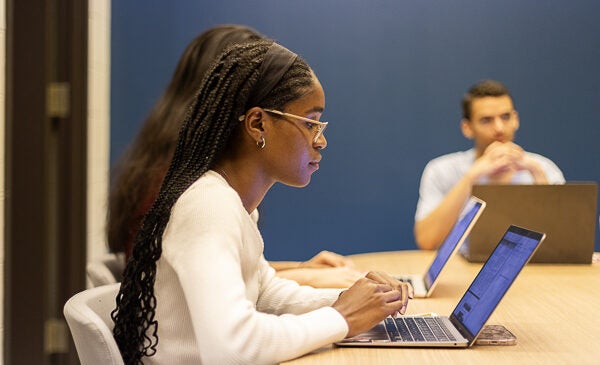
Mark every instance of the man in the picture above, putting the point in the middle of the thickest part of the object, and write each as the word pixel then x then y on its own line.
pixel 490 120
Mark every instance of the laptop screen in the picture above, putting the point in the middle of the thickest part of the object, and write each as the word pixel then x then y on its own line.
pixel 451 242
pixel 494 279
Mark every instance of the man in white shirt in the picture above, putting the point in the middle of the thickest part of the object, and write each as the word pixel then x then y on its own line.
pixel 490 120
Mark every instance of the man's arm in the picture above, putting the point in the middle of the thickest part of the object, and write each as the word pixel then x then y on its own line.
pixel 534 168
pixel 499 160
pixel 433 228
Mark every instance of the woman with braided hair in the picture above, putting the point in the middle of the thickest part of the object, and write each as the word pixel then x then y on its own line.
pixel 138 174
pixel 198 289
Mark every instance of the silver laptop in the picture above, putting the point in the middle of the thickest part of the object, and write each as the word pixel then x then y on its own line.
pixel 423 284
pixel 462 327
pixel 566 213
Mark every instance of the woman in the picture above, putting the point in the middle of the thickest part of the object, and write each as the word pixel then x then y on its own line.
pixel 198 289
pixel 141 170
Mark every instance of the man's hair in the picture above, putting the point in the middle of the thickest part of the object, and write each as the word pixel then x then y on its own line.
pixel 480 90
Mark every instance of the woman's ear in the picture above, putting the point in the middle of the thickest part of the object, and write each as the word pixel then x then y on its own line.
pixel 254 123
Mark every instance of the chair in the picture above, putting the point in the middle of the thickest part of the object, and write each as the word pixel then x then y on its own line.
pixel 88 316
pixel 107 270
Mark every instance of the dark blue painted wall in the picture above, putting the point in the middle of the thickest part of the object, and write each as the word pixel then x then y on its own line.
pixel 393 72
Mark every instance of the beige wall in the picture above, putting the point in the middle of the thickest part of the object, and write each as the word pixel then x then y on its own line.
pixel 98 125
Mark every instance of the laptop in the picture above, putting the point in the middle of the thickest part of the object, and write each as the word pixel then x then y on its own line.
pixel 566 213
pixel 462 327
pixel 423 284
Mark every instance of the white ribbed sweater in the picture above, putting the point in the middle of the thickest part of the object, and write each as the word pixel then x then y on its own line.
pixel 218 301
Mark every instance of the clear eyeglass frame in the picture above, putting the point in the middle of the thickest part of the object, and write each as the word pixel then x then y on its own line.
pixel 320 126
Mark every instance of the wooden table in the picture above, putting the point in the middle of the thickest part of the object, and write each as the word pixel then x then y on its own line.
pixel 554 310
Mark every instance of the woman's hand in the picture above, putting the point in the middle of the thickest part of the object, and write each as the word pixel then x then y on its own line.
pixel 371 299
pixel 327 258
pixel 323 277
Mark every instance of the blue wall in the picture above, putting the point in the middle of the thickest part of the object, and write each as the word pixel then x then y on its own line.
pixel 393 72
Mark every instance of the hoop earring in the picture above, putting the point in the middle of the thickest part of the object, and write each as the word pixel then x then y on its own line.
pixel 261 144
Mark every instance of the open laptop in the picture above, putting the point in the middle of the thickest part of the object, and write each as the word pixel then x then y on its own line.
pixel 566 213
pixel 423 284
pixel 462 327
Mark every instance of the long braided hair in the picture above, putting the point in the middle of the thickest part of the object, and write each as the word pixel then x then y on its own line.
pixel 139 172
pixel 227 91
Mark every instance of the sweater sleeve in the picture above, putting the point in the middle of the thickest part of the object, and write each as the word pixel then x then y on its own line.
pixel 205 244
pixel 280 295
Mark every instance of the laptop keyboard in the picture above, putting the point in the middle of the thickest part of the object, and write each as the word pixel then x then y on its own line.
pixel 417 329
pixel 406 280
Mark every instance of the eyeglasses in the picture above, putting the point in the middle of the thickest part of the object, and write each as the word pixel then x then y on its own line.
pixel 311 124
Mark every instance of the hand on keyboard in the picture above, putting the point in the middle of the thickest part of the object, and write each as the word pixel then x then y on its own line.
pixel 371 299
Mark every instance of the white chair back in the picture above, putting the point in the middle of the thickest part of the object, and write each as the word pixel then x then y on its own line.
pixel 88 317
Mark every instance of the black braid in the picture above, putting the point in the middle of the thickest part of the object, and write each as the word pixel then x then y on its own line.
pixel 205 135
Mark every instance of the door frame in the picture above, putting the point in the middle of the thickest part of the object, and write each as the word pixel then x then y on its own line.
pixel 45 172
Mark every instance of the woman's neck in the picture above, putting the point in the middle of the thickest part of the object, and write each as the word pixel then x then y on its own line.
pixel 247 181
